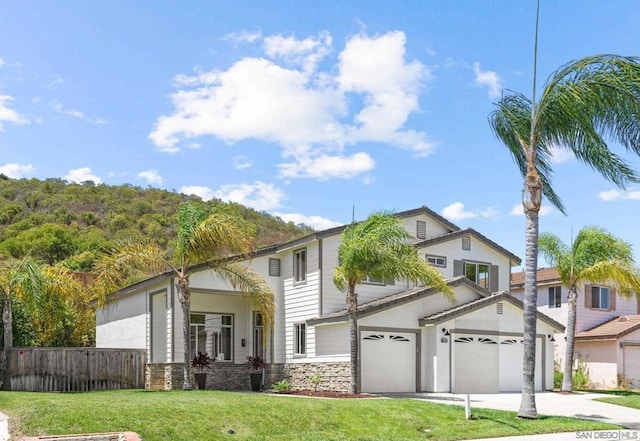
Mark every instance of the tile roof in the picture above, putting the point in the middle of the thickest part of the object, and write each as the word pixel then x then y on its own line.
pixel 395 299
pixel 612 329
pixel 473 305
pixel 545 275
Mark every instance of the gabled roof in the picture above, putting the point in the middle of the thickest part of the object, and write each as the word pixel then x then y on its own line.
pixel 480 303
pixel 612 329
pixel 469 232
pixel 338 230
pixel 395 299
pixel 545 276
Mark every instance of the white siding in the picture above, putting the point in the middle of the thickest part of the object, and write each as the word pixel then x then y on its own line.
pixel 332 339
pixel 123 324
pixel 434 228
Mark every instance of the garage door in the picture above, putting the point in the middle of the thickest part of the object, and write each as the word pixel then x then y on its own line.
pixel 475 364
pixel 511 353
pixel 388 361
pixel 632 364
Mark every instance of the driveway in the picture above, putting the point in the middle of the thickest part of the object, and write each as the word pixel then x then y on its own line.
pixel 576 405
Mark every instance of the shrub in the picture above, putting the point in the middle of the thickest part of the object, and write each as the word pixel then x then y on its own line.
pixel 557 379
pixel 255 363
pixel 281 386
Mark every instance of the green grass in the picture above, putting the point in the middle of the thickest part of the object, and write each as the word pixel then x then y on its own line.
pixel 623 398
pixel 200 415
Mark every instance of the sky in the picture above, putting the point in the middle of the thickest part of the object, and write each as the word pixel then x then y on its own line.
pixel 310 111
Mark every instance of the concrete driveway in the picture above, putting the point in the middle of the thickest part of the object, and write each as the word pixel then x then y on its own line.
pixel 576 405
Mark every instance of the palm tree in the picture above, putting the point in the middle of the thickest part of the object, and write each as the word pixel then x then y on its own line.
pixel 595 256
pixel 219 239
pixel 378 248
pixel 37 285
pixel 581 104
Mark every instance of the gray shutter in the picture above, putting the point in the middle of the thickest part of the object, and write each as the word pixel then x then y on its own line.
pixel 587 296
pixel 493 278
pixel 612 299
pixel 458 268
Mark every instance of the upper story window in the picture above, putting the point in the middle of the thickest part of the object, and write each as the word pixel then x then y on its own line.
pixel 600 297
pixel 421 229
pixel 466 243
pixel 478 272
pixel 555 296
pixel 439 261
pixel 300 265
pixel 375 281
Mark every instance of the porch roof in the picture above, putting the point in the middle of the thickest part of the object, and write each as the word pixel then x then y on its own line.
pixel 612 329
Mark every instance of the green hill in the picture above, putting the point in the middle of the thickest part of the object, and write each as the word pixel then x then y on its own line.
pixel 57 221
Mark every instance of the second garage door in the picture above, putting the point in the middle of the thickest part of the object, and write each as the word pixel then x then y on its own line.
pixel 632 364
pixel 388 361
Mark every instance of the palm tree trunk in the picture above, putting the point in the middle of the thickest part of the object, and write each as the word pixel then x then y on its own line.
pixel 528 402
pixel 7 324
pixel 567 380
pixel 352 306
pixel 185 302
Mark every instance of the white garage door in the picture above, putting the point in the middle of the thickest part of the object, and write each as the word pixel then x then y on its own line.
pixel 475 364
pixel 511 353
pixel 632 364
pixel 388 361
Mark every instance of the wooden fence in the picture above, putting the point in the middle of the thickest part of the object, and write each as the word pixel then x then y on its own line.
pixel 76 369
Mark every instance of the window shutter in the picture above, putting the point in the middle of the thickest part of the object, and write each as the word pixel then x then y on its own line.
pixel 274 267
pixel 421 229
pixel 612 299
pixel 587 296
pixel 493 278
pixel 458 268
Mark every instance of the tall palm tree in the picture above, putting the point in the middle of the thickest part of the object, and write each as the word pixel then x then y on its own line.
pixel 378 248
pixel 595 256
pixel 583 105
pixel 219 239
pixel 37 285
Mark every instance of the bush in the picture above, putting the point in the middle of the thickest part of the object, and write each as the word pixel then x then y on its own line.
pixel 281 386
pixel 557 379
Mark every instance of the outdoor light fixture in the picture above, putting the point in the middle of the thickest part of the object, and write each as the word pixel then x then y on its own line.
pixel 445 331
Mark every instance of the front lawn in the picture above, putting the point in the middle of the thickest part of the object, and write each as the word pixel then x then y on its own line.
pixel 622 398
pixel 215 415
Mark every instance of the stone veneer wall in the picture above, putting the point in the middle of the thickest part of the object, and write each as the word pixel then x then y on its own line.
pixel 333 376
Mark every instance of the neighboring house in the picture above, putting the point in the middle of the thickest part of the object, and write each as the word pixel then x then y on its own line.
pixel 605 339
pixel 412 338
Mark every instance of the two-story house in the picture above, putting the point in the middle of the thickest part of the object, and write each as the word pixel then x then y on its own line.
pixel 607 327
pixel 411 338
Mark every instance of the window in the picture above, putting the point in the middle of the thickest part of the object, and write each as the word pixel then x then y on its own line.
pixel 555 297
pixel 300 266
pixel 212 333
pixel 299 338
pixel 421 229
pixel 439 261
pixel 274 267
pixel 466 243
pixel 599 297
pixel 478 272
pixel 375 281
pixel 258 332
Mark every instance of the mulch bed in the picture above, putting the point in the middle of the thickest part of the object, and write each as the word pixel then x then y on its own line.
pixel 328 394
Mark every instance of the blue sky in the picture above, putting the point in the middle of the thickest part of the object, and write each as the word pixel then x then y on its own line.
pixel 303 109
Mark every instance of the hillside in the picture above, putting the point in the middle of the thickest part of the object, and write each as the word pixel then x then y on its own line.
pixel 58 221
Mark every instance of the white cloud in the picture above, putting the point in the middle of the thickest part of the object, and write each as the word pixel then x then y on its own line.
pixel 560 155
pixel 315 222
pixel 488 78
pixel 58 107
pixel 259 195
pixel 243 37
pixel 80 175
pixel 55 82
pixel 324 167
pixel 9 115
pixel 205 193
pixel 310 114
pixel 152 176
pixel 518 210
pixel 240 162
pixel 1 62
pixel 457 212
pixel 616 195
pixel 17 171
